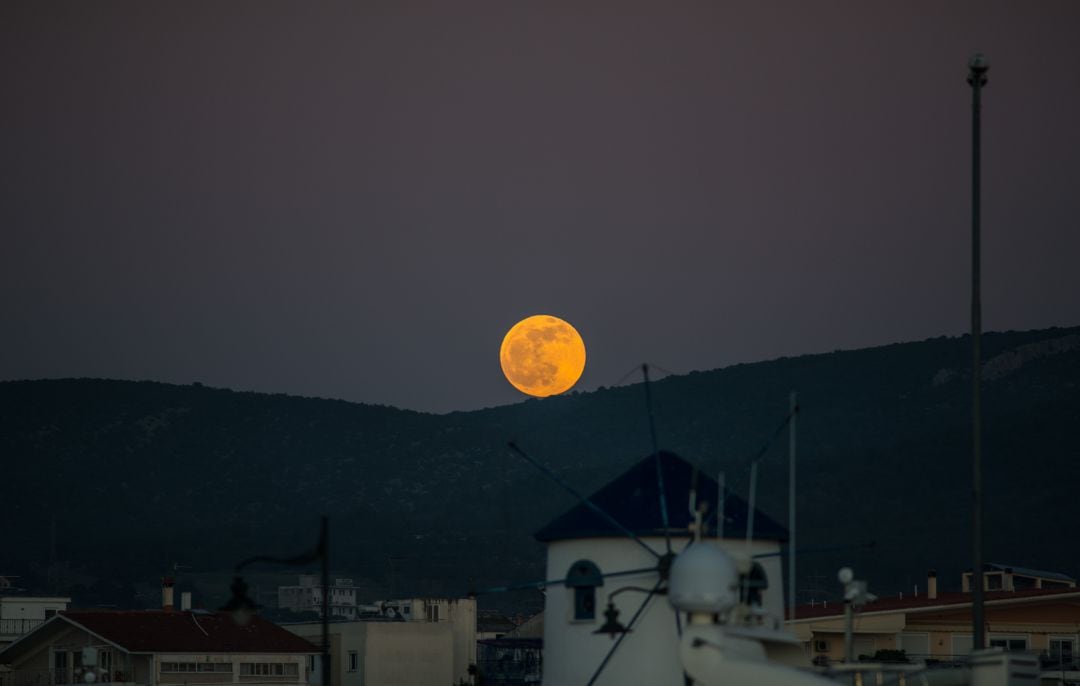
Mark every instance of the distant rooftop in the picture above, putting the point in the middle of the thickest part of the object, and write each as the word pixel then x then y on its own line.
pixel 147 631
pixel 633 499
pixel 1024 571
pixel 836 609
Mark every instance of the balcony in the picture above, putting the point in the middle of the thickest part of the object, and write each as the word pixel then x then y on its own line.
pixel 11 629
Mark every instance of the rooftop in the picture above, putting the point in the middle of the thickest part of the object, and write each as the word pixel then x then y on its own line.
pixel 148 631
pixel 1024 571
pixel 633 499
pixel 896 604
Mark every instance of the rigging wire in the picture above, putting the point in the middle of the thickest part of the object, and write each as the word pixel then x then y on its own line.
pixel 554 582
pixel 656 457
pixel 585 501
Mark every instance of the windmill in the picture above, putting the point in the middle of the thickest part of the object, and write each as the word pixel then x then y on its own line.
pixel 611 556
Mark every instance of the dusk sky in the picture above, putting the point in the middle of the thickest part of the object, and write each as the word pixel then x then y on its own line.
pixel 356 200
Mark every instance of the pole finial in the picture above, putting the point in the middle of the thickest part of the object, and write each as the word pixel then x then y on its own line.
pixel 977 68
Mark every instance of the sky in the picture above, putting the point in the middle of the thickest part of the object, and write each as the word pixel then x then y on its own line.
pixel 357 200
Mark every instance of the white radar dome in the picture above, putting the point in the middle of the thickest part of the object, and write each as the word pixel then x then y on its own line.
pixel 703 579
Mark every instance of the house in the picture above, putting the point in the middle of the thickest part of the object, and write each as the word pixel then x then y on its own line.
pixel 307 596
pixel 21 614
pixel 513 658
pixel 608 579
pixel 414 641
pixel 937 626
pixel 155 648
pixel 491 624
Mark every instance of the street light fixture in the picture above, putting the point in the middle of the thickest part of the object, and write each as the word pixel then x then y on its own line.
pixel 243 608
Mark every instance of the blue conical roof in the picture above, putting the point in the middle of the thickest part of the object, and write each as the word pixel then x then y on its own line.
pixel 633 499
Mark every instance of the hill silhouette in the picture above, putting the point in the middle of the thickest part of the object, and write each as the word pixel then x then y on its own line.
pixel 136 476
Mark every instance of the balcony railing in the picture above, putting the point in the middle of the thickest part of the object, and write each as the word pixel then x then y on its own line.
pixel 18 627
pixel 41 677
pixel 58 677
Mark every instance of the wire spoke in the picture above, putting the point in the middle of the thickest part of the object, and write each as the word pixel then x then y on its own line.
pixel 629 626
pixel 656 456
pixel 554 582
pixel 588 503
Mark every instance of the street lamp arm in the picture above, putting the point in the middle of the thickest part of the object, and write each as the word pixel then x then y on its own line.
pixel 303 559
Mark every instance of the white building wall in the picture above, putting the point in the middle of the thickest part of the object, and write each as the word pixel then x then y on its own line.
pixel 648 655
pixel 17 607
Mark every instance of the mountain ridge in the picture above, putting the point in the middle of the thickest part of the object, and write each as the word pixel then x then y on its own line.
pixel 434 503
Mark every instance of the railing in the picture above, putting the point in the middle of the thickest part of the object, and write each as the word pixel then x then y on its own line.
pixel 40 677
pixel 18 627
pixel 53 677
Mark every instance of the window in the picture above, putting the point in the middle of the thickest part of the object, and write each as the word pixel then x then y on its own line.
pixel 433 613
pixel 176 667
pixel 1062 651
pixel 354 661
pixel 311 663
pixel 60 667
pixel 863 646
pixel 1010 643
pixel 915 645
pixel 215 667
pixel 961 644
pixel 269 669
pixel 105 661
pixel 584 577
pixel 994 582
pixel 754 585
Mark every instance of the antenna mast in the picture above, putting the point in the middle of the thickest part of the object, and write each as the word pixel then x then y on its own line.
pixel 793 409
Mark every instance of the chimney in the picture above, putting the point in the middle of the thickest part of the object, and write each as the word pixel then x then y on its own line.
pixel 185 601
pixel 167 583
pixel 931 584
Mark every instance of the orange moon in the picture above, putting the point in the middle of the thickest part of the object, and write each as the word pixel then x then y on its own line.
pixel 542 355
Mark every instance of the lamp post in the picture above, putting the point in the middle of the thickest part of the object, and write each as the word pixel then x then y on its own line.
pixel 977 68
pixel 243 608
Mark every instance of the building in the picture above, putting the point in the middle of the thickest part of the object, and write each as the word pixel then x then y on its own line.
pixel 155 648
pixel 307 596
pixel 409 641
pixel 490 624
pixel 385 653
pixel 937 626
pixel 459 613
pixel 21 614
pixel 601 570
pixel 999 577
pixel 515 657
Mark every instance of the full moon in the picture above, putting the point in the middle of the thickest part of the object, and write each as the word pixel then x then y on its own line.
pixel 542 355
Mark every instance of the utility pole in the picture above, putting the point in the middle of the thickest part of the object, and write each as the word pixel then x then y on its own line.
pixel 977 68
pixel 794 410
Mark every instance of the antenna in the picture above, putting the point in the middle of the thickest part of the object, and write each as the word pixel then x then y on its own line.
pixel 721 502
pixel 793 410
pixel 656 456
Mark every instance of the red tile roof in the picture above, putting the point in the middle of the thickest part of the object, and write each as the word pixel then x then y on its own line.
pixel 914 602
pixel 184 632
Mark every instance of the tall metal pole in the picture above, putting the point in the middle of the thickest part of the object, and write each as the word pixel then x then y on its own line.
pixel 977 68
pixel 793 409
pixel 324 551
